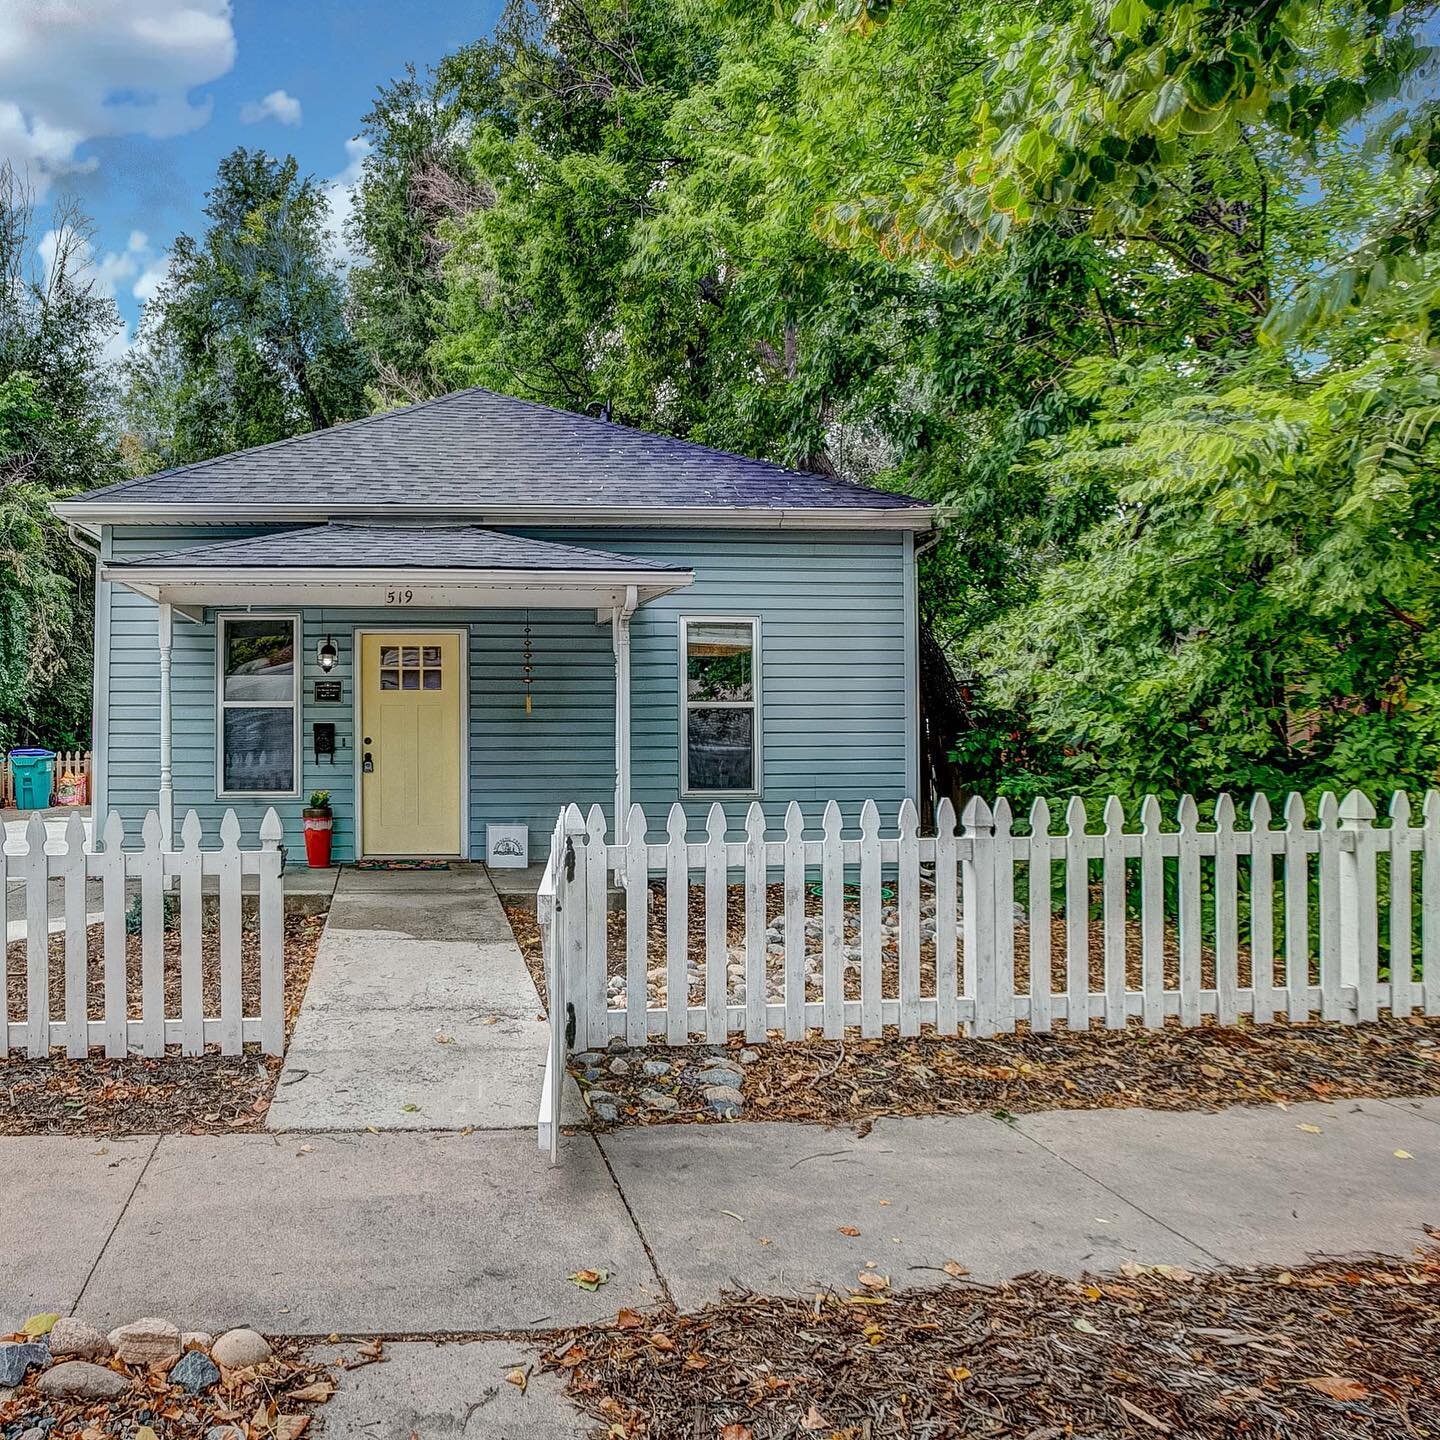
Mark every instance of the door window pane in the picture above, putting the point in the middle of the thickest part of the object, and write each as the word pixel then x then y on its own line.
pixel 389 679
pixel 432 680
pixel 389 654
pixel 432 654
pixel 410 655
pixel 409 679
pixel 720 749
pixel 259 748
pixel 259 659
pixel 718 661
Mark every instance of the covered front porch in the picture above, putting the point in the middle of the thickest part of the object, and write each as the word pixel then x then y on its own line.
pixel 438 680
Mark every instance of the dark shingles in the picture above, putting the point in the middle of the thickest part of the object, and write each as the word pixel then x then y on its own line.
pixel 392 547
pixel 476 449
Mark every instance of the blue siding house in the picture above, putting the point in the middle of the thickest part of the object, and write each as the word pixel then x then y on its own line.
pixel 476 610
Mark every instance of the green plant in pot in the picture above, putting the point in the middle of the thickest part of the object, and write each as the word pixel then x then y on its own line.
pixel 319 806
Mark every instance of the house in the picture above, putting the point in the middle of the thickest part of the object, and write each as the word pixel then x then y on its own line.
pixel 477 609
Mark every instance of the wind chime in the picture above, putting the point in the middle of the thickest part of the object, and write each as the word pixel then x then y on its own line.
pixel 527 667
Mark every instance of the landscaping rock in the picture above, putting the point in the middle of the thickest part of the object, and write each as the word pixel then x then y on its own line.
pixel 224 1432
pixel 238 1349
pixel 595 1099
pixel 195 1371
pixel 656 1068
pixel 748 1056
pixel 605 1112
pixel 724 1101
pixel 150 1341
pixel 81 1380
pixel 74 1339
pixel 17 1357
pixel 619 1067
pixel 667 1104
pixel 196 1340
pixel 715 1074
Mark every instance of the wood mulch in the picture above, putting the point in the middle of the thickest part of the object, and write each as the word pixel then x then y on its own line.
pixel 275 1400
pixel 1332 1350
pixel 196 1094
pixel 855 1082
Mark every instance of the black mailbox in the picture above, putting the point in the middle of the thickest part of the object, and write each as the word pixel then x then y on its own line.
pixel 325 740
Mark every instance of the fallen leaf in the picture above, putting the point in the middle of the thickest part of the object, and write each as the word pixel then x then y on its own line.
pixel 1403 1155
pixel 629 1319
pixel 291 1427
pixel 316 1394
pixel 410 1109
pixel 1084 1326
pixel 873 1281
pixel 1309 1129
pixel 849 1230
pixel 954 1269
pixel 39 1325
pixel 736 1431
pixel 1337 1387
pixel 814 1420
pixel 590 1279
pixel 662 1342
pixel 519 1377
pixel 695 1361
pixel 146 1433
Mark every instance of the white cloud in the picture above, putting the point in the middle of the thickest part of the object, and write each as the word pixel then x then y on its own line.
pixel 277 105
pixel 340 196
pixel 78 70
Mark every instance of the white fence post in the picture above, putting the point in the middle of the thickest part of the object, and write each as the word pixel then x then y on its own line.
pixel 1358 945
pixel 77 942
pixel 677 928
pixel 1040 909
pixel 717 977
pixel 947 978
pixel 192 924
pixel 112 880
pixel 271 864
pixel 832 922
pixel 756 982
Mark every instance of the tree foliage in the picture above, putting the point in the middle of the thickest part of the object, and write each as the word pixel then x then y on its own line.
pixel 55 439
pixel 247 340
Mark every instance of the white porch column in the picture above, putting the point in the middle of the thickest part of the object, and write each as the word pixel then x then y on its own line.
pixel 620 639
pixel 167 778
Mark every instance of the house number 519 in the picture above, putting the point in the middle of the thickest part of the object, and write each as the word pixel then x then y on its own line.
pixel 399 597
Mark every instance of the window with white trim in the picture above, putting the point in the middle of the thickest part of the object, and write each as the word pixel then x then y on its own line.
pixel 257 723
pixel 720 707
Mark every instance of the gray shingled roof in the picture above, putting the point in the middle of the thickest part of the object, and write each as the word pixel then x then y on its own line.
pixel 477 450
pixel 342 546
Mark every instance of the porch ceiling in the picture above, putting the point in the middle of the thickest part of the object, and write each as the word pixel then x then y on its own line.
pixel 396 565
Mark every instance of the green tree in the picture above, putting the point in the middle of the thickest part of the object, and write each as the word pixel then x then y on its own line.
pixel 55 439
pixel 247 341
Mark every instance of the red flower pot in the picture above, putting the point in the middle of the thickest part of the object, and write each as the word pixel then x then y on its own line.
pixel 319 827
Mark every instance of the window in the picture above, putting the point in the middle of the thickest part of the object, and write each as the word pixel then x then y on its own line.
pixel 411 667
pixel 720 713
pixel 258 720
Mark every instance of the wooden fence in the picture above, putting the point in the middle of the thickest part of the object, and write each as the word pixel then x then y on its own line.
pixel 980 927
pixel 75 762
pixel 97 961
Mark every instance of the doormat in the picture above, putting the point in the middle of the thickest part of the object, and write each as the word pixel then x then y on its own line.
pixel 401 865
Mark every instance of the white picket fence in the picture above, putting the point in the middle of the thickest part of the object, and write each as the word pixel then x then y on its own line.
pixel 1266 921
pixel 152 873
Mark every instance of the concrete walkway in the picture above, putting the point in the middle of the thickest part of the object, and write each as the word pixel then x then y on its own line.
pixel 420 1013
pixel 445 1233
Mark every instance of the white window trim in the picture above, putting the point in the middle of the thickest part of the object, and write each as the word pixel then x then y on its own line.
pixel 753 704
pixel 222 704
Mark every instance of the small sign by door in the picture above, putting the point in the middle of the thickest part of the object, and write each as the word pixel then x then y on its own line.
pixel 507 847
pixel 329 692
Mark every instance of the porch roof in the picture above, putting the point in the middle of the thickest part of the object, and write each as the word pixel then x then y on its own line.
pixel 345 563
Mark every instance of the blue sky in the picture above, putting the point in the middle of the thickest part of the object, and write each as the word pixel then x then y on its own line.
pixel 128 105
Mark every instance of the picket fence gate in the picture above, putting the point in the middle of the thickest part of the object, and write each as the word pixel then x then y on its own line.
pixel 157 873
pixel 1269 921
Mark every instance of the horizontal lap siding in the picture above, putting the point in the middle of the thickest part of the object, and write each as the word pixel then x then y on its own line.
pixel 834 711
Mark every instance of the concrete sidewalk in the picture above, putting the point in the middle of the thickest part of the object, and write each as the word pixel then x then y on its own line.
pixel 431 1233
pixel 419 1014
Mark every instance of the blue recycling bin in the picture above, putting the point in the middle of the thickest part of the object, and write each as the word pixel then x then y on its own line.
pixel 34 773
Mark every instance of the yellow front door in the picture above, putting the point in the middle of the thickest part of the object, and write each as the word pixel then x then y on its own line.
pixel 410 694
